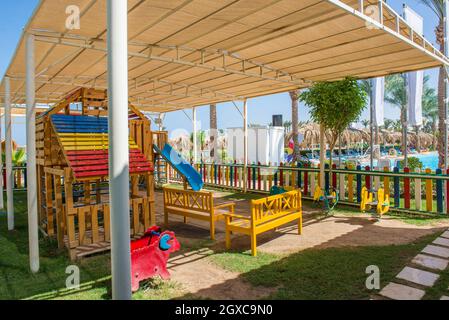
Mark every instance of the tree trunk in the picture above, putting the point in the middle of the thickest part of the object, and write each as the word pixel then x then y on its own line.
pixel 213 132
pixel 441 117
pixel 322 155
pixel 404 129
pixel 441 96
pixel 294 95
pixel 418 140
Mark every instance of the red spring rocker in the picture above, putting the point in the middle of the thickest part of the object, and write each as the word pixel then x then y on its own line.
pixel 149 255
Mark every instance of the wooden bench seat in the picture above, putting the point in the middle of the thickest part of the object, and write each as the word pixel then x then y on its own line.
pixel 195 205
pixel 266 214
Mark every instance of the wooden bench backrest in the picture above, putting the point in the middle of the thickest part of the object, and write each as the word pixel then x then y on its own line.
pixel 270 208
pixel 190 200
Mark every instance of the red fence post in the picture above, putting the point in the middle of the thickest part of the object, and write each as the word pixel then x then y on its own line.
pixel 406 189
pixel 281 173
pixel 259 180
pixel 249 178
pixel 368 178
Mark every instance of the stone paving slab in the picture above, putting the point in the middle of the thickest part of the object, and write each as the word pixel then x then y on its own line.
pixel 437 251
pixel 441 242
pixel 445 234
pixel 430 262
pixel 421 277
pixel 401 292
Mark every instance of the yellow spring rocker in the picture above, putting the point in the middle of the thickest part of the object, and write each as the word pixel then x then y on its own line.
pixel 368 202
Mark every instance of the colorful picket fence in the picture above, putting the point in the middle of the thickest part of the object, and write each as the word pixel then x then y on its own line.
pixel 19 177
pixel 422 191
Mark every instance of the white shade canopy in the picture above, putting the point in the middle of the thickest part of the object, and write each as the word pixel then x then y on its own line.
pixel 186 53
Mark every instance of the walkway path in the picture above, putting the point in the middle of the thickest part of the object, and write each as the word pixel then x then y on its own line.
pixel 421 273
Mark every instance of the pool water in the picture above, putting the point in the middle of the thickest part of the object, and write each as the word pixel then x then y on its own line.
pixel 429 160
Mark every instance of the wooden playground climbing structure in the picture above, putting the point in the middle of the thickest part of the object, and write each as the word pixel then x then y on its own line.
pixel 72 166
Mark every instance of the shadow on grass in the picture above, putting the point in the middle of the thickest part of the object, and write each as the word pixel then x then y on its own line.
pixel 318 274
pixel 17 281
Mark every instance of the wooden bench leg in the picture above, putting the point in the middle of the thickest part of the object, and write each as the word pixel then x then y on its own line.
pixel 253 244
pixel 300 225
pixel 212 229
pixel 185 219
pixel 228 239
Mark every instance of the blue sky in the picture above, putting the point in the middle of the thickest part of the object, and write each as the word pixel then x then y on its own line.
pixel 15 14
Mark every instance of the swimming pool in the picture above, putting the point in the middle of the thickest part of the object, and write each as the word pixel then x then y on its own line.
pixel 429 160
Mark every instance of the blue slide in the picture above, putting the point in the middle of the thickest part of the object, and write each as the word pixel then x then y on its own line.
pixel 184 168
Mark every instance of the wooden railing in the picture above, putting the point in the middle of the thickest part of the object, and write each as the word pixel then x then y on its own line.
pixel 421 191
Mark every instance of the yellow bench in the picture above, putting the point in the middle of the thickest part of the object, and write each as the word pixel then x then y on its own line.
pixel 266 214
pixel 196 205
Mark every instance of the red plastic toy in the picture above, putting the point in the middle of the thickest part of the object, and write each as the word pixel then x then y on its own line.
pixel 149 255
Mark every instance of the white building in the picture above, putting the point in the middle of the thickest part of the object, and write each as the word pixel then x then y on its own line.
pixel 265 144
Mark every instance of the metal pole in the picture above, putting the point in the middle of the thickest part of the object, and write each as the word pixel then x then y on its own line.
pixel 195 143
pixel 117 13
pixel 31 155
pixel 1 161
pixel 8 157
pixel 371 121
pixel 446 101
pixel 322 156
pixel 245 145
pixel 405 123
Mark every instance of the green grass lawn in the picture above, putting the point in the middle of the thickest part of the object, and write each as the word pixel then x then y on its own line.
pixel 311 274
pixel 335 273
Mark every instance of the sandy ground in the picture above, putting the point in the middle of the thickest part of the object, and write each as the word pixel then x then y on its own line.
pixel 202 278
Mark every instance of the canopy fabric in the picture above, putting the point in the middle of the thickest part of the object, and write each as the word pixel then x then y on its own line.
pixel 186 53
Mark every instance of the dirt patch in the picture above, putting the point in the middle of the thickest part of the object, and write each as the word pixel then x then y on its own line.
pixel 205 280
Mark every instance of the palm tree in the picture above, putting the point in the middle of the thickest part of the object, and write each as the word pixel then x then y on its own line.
pixel 430 113
pixel 388 124
pixel 365 123
pixel 213 131
pixel 294 95
pixel 396 94
pixel 437 6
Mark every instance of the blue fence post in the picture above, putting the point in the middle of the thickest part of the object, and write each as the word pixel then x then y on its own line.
pixel 231 175
pixel 439 184
pixel 397 195
pixel 215 173
pixel 254 176
pixel 359 184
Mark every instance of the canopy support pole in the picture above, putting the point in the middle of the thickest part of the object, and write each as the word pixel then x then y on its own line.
pixel 31 155
pixel 8 156
pixel 446 101
pixel 322 156
pixel 117 14
pixel 245 145
pixel 195 143
pixel 371 121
